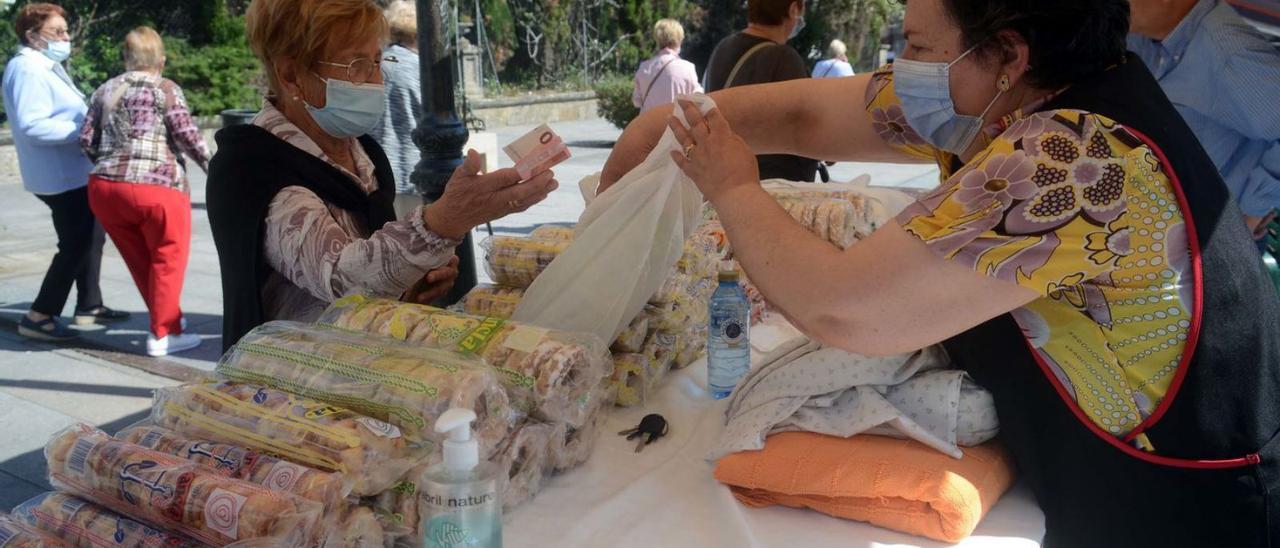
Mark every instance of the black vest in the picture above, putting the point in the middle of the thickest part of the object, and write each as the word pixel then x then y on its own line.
pixel 1228 406
pixel 250 168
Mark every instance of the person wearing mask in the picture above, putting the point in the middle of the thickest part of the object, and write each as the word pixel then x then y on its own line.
pixel 45 111
pixel 760 55
pixel 404 103
pixel 665 76
pixel 1224 77
pixel 1080 258
pixel 837 63
pixel 300 200
pixel 137 130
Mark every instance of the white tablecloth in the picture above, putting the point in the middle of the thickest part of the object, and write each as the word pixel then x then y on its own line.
pixel 666 495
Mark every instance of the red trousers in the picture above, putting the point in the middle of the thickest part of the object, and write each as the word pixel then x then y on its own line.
pixel 151 226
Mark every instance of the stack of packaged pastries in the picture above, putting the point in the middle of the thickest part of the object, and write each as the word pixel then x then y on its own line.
pixel 554 381
pixel 175 493
pixel 15 534
pixel 669 333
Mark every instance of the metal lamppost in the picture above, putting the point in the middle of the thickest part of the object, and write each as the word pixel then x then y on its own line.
pixel 440 135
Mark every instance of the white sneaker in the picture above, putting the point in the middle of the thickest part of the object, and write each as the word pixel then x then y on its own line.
pixel 171 344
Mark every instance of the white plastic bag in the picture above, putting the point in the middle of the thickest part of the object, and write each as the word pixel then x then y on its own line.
pixel 627 242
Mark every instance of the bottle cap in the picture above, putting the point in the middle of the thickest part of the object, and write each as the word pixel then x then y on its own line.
pixel 728 271
pixel 461 450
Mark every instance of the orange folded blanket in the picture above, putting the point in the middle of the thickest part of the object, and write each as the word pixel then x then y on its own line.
pixel 897 484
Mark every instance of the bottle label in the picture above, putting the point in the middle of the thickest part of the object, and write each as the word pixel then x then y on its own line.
pixel 461 520
pixel 732 332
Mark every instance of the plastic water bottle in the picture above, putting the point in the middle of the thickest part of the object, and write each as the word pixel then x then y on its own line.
pixel 728 340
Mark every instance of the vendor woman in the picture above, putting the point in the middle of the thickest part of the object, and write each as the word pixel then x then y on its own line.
pixel 1082 259
pixel 301 200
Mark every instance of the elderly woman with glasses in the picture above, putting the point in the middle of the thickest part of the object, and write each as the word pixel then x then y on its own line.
pixel 301 200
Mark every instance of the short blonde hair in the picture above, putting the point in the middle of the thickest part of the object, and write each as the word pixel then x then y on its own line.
pixel 837 49
pixel 668 33
pixel 303 30
pixel 402 18
pixel 143 49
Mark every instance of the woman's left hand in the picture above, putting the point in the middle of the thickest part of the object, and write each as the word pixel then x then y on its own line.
pixel 434 285
pixel 713 156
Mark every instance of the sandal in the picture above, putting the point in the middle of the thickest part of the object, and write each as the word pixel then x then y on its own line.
pixel 38 331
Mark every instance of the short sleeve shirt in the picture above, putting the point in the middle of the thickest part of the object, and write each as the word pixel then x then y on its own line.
pixel 1078 208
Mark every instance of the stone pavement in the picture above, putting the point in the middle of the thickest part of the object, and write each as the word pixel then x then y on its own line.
pixel 106 380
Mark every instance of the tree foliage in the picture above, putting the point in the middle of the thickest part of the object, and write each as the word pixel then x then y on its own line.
pixel 204 44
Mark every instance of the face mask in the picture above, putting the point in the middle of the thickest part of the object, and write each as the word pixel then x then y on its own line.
pixel 58 51
pixel 350 110
pixel 799 27
pixel 925 92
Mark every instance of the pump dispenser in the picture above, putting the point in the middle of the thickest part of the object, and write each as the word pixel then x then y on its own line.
pixel 460 497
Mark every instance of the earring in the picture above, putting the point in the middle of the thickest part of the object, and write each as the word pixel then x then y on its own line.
pixel 1003 84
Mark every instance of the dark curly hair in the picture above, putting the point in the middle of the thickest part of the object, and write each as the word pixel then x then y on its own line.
pixel 1068 39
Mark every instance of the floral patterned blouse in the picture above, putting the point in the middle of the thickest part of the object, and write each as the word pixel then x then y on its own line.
pixel 1077 208
pixel 319 253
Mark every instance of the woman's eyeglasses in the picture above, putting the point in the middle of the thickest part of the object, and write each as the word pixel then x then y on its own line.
pixel 360 70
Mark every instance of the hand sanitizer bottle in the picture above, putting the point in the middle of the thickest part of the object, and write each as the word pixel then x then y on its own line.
pixel 460 499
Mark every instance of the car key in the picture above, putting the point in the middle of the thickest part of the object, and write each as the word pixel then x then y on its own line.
pixel 652 427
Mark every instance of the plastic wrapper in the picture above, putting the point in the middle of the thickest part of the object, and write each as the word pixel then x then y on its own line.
pixel 515 261
pixel 689 347
pixel 398 508
pixel 553 232
pixel 372 454
pixel 548 373
pixel 571 447
pixel 831 219
pixel 378 377
pixel 865 213
pixel 632 338
pixel 629 385
pixel 175 493
pixel 353 526
pixel 759 307
pixel 78 522
pixel 15 534
pixel 492 301
pixel 523 457
pixel 245 464
pixel 661 351
pixel 703 251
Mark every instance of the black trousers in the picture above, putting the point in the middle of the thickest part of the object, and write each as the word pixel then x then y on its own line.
pixel 79 256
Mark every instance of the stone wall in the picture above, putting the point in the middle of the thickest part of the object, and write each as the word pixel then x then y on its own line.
pixel 535 109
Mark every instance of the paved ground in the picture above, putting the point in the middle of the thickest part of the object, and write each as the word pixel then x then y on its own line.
pixel 104 380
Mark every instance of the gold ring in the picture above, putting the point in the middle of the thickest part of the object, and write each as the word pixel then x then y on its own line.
pixel 688 150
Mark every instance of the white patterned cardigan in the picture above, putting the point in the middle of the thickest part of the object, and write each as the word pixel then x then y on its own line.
pixel 319 252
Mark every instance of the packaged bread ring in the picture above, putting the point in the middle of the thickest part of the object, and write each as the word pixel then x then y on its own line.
pixel 516 261
pixel 629 384
pixel 492 300
pixel 353 526
pixel 632 338
pixel 245 464
pixel 571 447
pixel 523 456
pixel 660 349
pixel 15 534
pixel 548 373
pixel 175 493
pixel 375 376
pixel 371 453
pixel 553 232
pixel 78 522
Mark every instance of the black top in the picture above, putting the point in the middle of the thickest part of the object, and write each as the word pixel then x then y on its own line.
pixel 777 63
pixel 250 168
pixel 1227 407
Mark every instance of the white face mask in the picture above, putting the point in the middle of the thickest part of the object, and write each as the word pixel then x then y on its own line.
pixel 350 110
pixel 799 27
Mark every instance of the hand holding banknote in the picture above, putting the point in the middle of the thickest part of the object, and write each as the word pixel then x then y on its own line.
pixel 472 198
pixel 537 151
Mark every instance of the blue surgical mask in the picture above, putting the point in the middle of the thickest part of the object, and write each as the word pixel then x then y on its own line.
pixel 350 110
pixel 799 27
pixel 57 50
pixel 925 92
